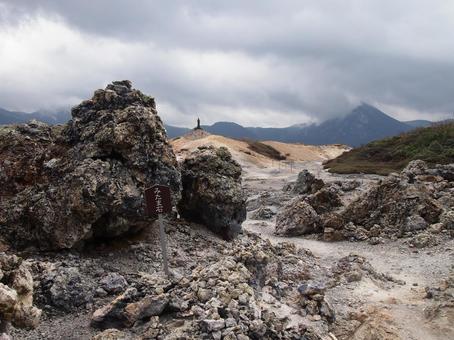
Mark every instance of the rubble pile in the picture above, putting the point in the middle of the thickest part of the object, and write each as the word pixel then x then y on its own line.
pixel 114 146
pixel 212 193
pixel 217 300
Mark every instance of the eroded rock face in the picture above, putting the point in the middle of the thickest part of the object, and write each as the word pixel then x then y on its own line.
pixel 391 203
pixel 297 218
pixel 16 294
pixel 212 193
pixel 85 179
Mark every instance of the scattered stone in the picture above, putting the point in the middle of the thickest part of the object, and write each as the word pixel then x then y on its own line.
pixel 423 240
pixel 113 283
pixel 112 315
pixel 113 334
pixel 146 307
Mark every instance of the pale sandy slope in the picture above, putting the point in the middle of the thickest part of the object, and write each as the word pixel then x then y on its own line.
pixel 246 157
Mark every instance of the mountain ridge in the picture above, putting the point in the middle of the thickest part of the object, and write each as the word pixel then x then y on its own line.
pixel 362 125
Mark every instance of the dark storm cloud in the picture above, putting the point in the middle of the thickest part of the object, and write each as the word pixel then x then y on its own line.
pixel 255 62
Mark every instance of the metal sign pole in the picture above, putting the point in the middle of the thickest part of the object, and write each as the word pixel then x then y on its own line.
pixel 158 201
pixel 163 239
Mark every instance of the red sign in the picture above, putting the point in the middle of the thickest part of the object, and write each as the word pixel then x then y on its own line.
pixel 158 200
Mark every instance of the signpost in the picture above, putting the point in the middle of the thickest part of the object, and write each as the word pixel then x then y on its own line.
pixel 159 201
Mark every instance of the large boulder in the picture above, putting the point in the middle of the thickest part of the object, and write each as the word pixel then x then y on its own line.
pixel 16 294
pixel 297 218
pixel 84 179
pixel 306 183
pixel 212 193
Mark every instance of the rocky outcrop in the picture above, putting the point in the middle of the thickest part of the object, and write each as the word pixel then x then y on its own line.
pixel 16 294
pixel 297 218
pixel 394 203
pixel 212 193
pixel 85 179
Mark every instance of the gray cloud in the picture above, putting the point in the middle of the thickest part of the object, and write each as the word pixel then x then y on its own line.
pixel 254 62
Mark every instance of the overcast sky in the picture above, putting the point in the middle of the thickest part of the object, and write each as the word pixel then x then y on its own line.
pixel 255 62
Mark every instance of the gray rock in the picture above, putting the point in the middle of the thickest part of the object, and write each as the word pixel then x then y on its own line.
pixel 263 213
pixel 212 193
pixel 306 183
pixel 212 325
pixel 65 288
pixel 113 283
pixel 297 218
pixel 414 223
pixel 447 219
pixel 311 288
pixel 415 168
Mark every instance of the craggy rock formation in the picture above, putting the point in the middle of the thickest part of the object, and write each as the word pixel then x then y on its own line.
pixel 86 179
pixel 306 183
pixel 16 295
pixel 297 218
pixel 394 203
pixel 212 193
pixel 405 204
pixel 400 205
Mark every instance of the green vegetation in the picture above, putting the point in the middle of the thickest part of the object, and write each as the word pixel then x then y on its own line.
pixel 265 150
pixel 433 144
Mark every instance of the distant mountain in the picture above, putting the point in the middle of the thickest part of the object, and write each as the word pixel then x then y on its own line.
pixel 364 124
pixel 174 131
pixel 14 117
pixel 419 123
pixel 231 130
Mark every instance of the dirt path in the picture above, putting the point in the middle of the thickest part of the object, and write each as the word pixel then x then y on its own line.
pixel 393 311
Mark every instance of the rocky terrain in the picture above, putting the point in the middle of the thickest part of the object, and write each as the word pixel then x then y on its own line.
pixel 400 224
pixel 249 242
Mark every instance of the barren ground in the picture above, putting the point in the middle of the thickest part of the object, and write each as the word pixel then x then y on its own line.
pixel 386 311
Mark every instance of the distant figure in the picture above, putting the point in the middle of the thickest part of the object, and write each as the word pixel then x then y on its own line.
pixel 198 125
